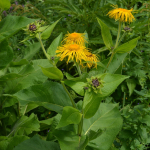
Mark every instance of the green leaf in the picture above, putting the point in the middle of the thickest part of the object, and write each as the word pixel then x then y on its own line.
pixel 19 63
pixel 31 74
pixel 9 143
pixel 78 87
pixel 52 73
pixel 5 4
pixel 35 143
pixel 14 141
pixel 46 33
pixel 10 76
pixel 25 125
pixel 131 83
pixel 54 45
pixel 70 115
pixel 17 23
pixel 91 103
pixel 92 100
pixel 32 50
pixel 45 124
pixel 108 119
pixel 107 38
pixel 111 82
pixel 127 47
pixel 6 54
pixel 146 120
pixel 114 65
pixel 68 139
pixel 50 95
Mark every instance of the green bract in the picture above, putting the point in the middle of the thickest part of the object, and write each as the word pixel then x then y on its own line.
pixel 94 84
pixel 33 28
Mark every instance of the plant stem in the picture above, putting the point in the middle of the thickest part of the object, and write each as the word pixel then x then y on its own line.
pixel 122 37
pixel 117 40
pixel 78 68
pixel 80 126
pixel 124 98
pixel 111 57
pixel 42 47
pixel 72 101
pixel 118 35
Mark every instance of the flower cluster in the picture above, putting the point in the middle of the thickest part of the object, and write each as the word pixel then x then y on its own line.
pixel 73 48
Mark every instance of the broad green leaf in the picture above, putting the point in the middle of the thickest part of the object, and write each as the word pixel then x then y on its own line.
pixel 35 143
pixel 19 63
pixel 25 125
pixel 107 38
pixel 46 33
pixel 54 45
pixel 32 74
pixel 5 4
pixel 10 76
pixel 68 139
pixel 116 62
pixel 52 73
pixel 70 115
pixel 17 23
pixel 11 142
pixel 6 54
pixel 78 87
pixel 91 103
pixel 32 50
pixel 108 119
pixel 127 47
pixel 50 95
pixel 111 82
pixel 131 83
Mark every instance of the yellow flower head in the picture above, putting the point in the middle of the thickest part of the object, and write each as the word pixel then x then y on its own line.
pixel 121 14
pixel 92 60
pixel 72 52
pixel 75 38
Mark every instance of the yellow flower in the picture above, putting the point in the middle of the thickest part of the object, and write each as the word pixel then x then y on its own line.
pixel 121 14
pixel 75 38
pixel 91 59
pixel 73 52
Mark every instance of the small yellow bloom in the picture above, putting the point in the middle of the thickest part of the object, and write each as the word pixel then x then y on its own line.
pixel 75 38
pixel 72 52
pixel 92 60
pixel 121 14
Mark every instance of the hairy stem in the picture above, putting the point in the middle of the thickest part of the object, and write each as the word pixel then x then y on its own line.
pixel 42 47
pixel 118 35
pixel 72 101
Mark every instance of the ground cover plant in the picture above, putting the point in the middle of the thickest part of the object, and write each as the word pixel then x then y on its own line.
pixel 74 75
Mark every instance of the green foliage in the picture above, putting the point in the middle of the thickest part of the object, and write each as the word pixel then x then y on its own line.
pixel 52 73
pixel 41 96
pixel 5 4
pixel 70 115
pixel 17 23
pixel 107 38
pixel 46 33
pixel 6 54
pixel 107 119
pixel 36 143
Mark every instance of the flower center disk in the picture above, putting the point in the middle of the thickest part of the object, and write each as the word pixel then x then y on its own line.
pixel 74 47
